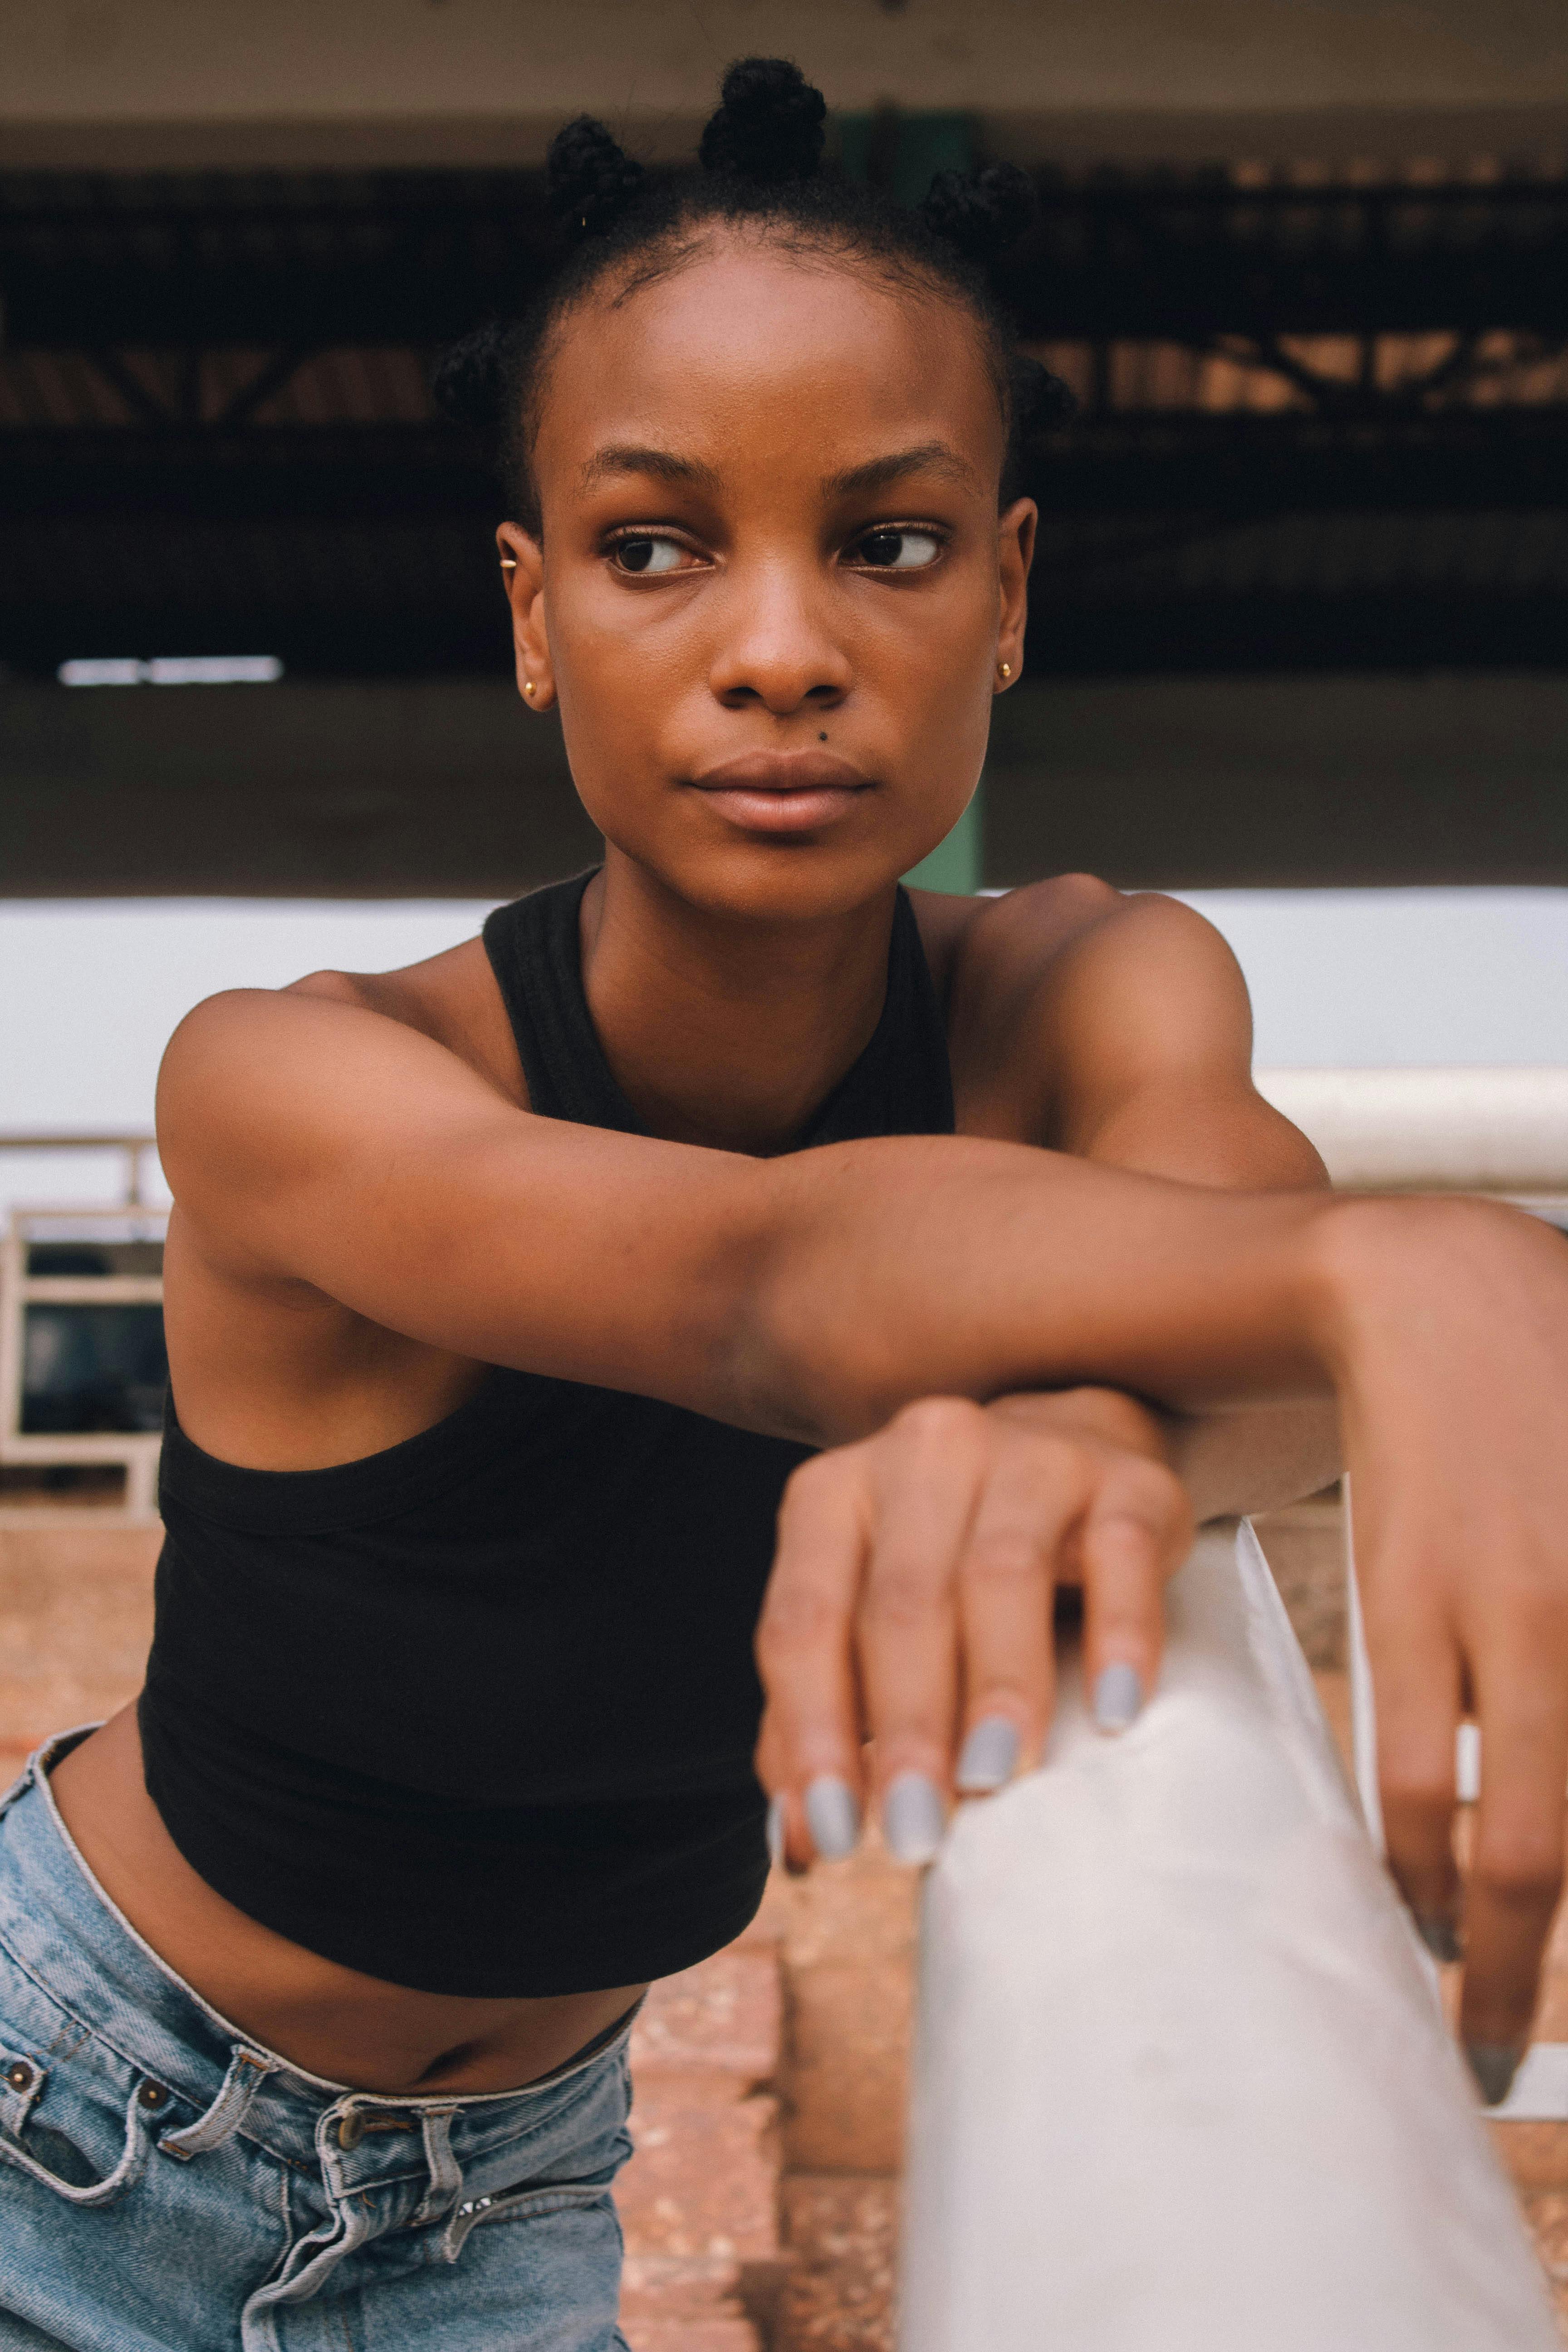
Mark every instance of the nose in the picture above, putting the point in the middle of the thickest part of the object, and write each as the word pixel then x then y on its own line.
pixel 778 651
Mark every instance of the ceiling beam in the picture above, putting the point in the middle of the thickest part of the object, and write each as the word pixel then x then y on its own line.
pixel 1221 466
pixel 420 258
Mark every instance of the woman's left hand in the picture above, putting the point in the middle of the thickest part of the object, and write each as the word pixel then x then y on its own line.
pixel 911 1601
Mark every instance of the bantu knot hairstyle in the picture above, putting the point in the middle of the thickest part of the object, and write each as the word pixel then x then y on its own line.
pixel 592 179
pixel 980 214
pixel 1043 403
pixel 768 128
pixel 470 382
pixel 760 169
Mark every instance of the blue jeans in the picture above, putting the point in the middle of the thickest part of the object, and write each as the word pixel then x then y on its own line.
pixel 166 2185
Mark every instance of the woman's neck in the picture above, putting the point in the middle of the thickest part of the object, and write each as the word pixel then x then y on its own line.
pixel 727 1032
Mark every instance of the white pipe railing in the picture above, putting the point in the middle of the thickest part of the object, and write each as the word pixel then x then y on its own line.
pixel 1439 1131
pixel 1180 2084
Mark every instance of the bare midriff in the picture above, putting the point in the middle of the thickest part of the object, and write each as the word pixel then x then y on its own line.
pixel 331 2020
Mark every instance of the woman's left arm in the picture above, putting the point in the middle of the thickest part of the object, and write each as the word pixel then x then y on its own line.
pixel 1118 1028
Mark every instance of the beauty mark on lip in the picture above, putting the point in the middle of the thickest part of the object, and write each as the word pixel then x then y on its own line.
pixel 783 792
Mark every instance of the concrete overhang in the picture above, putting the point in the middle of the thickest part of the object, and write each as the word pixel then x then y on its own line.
pixel 294 84
pixel 449 788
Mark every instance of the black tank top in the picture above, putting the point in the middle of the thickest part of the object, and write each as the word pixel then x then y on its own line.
pixel 476 1714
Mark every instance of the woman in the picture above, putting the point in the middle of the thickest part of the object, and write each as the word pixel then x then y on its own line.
pixel 508 1294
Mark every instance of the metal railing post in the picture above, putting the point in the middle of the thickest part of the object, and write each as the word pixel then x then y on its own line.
pixel 133 1452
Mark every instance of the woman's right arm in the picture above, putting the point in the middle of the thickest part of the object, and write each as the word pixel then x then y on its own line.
pixel 810 1295
pixel 313 1141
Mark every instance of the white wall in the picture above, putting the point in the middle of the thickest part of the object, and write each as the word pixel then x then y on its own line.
pixel 1373 979
pixel 91 989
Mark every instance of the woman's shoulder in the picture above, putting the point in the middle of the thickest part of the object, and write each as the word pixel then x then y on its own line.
pixel 997 935
pixel 254 1074
pixel 1060 987
pixel 1013 937
pixel 450 999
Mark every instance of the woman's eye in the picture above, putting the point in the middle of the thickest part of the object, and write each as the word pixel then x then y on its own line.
pixel 644 554
pixel 899 550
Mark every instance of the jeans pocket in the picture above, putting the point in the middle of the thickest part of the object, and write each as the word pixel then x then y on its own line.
pixel 74 2116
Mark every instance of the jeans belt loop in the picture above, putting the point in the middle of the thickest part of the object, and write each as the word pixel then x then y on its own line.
pixel 248 2070
pixel 445 2172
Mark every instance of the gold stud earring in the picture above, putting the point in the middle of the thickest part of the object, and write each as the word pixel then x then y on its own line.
pixel 528 686
pixel 508 563
pixel 1005 668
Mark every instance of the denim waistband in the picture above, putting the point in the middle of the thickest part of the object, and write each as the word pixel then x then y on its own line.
pixel 60 1926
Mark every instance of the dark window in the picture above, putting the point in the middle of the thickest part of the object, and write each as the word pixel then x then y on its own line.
pixel 88 1369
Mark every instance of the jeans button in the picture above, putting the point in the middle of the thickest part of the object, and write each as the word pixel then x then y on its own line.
pixel 152 2095
pixel 20 2075
pixel 351 2128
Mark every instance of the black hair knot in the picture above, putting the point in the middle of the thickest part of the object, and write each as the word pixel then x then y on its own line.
pixel 768 128
pixel 1041 400
pixel 469 383
pixel 592 179
pixel 981 213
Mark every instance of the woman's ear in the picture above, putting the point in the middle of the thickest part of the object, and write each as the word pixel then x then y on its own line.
pixel 522 577
pixel 1015 553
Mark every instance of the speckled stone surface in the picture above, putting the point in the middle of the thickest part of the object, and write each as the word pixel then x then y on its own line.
pixel 849 2055
pixel 76 1618
pixel 691 2334
pixel 1551 2019
pixel 1546 2210
pixel 724 2018
pixel 1304 1546
pixel 854 1913
pixel 708 2303
pixel 842 2236
pixel 700 2200
pixel 847 1942
pixel 704 2180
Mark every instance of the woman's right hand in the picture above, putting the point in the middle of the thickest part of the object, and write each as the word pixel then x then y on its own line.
pixel 911 1605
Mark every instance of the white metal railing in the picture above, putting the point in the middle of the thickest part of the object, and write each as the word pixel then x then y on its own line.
pixel 131 1217
pixel 1499 1131
pixel 138 1151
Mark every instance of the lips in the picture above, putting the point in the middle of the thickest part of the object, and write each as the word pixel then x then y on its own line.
pixel 783 792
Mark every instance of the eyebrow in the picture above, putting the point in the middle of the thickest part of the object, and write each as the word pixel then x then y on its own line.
pixel 876 474
pixel 879 472
pixel 630 458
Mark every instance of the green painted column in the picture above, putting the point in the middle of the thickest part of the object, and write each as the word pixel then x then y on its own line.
pixel 956 864
pixel 902 153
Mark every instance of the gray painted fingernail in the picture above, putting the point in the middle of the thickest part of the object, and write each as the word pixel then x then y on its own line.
pixel 989 1756
pixel 1118 1696
pixel 1441 1937
pixel 1494 2065
pixel 912 1818
pixel 776 1832
pixel 832 1816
